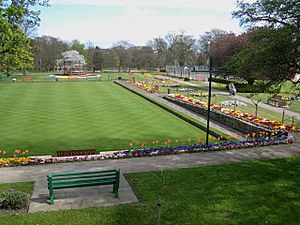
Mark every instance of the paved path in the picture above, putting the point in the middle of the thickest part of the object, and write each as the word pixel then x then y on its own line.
pixel 244 99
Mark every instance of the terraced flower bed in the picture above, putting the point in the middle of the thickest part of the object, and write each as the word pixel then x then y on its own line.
pixel 243 121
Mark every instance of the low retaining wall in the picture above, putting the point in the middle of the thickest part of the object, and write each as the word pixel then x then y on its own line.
pixel 225 119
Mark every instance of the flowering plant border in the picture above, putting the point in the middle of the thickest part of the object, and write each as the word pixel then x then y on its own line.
pixel 155 151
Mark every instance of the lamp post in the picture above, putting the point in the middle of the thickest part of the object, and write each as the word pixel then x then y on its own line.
pixel 209 98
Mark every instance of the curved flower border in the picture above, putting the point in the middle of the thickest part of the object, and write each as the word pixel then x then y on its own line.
pixel 153 151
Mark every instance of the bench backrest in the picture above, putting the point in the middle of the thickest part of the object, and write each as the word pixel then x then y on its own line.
pixel 5 78
pixel 76 152
pixel 72 178
pixel 27 78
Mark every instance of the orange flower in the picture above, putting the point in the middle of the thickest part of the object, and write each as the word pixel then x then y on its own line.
pixel 228 137
pixel 239 136
pixel 130 144
pixel 189 140
pixel 137 142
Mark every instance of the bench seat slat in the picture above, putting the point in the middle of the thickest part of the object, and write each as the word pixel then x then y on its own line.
pixel 84 176
pixel 83 181
pixel 79 173
pixel 83 184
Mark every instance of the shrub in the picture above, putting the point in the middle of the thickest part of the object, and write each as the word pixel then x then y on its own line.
pixel 13 200
pixel 246 88
pixel 222 81
pixel 186 79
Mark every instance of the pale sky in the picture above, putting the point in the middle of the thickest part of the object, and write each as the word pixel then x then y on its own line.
pixel 104 22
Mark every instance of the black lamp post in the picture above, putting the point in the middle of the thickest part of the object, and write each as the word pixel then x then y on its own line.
pixel 209 98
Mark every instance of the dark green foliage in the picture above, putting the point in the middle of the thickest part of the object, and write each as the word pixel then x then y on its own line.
pixel 13 200
pixel 16 19
pixel 273 53
pixel 222 81
pixel 246 88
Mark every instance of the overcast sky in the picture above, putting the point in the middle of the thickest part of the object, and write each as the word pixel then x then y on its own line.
pixel 105 22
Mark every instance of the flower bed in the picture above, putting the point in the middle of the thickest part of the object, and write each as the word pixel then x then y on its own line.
pixel 146 86
pixel 253 141
pixel 230 117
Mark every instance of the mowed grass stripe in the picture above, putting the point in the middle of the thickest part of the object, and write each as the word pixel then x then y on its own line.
pixel 45 117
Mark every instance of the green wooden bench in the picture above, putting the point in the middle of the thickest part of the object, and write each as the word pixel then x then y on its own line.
pixel 83 179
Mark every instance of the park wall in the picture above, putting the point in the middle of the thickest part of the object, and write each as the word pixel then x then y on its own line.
pixel 222 118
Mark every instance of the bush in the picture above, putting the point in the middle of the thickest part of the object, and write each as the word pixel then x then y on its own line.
pixel 186 79
pixel 246 88
pixel 222 81
pixel 13 200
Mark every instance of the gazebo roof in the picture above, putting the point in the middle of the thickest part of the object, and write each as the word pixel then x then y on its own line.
pixel 72 56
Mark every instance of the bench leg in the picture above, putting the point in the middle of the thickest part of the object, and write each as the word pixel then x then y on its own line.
pixel 116 190
pixel 51 197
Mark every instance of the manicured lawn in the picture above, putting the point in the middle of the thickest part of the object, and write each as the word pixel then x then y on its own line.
pixel 45 117
pixel 248 193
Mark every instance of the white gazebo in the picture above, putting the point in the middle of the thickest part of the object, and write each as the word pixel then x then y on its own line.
pixel 72 61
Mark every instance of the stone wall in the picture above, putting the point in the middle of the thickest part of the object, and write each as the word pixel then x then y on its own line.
pixel 225 119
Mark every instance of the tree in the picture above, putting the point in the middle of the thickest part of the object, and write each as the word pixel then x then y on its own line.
pixel 47 50
pixel 120 53
pixel 15 48
pixel 79 47
pixel 30 18
pixel 226 46
pixel 180 47
pixel 160 48
pixel 207 38
pixel 277 42
pixel 97 59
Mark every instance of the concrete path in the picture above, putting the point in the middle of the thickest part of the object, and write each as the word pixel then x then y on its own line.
pixel 240 98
